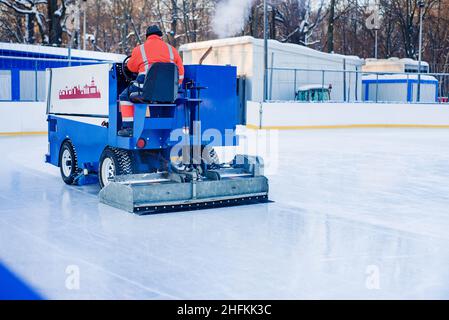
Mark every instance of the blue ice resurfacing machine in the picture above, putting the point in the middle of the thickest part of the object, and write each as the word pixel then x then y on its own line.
pixel 169 162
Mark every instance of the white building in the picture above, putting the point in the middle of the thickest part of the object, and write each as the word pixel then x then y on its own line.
pixel 247 54
pixel 396 80
pixel 405 65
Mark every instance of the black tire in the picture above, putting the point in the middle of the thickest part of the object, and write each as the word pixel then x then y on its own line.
pixel 121 160
pixel 68 162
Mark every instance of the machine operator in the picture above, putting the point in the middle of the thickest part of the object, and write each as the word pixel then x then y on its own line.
pixel 143 56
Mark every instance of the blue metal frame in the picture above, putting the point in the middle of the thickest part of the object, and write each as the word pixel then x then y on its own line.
pixel 15 84
pixel 17 61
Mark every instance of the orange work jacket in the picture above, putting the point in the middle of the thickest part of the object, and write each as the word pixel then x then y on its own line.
pixel 154 50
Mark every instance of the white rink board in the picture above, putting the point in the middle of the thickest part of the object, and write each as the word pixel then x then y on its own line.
pixel 22 117
pixel 19 117
pixel 67 78
pixel 291 115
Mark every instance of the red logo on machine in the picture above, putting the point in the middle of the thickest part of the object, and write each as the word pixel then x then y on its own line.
pixel 86 92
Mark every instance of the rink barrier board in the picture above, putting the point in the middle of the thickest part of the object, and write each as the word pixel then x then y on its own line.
pixel 349 126
pixel 28 118
pixel 22 118
pixel 253 127
pixel 291 115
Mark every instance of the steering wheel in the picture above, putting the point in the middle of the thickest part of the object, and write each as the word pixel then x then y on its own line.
pixel 129 76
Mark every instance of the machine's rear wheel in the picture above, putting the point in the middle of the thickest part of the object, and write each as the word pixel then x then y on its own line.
pixel 68 163
pixel 114 162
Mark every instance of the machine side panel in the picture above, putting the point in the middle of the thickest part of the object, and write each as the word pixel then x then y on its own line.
pixel 86 134
pixel 81 90
pixel 219 106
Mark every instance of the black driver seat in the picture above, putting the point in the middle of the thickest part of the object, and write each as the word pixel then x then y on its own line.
pixel 160 85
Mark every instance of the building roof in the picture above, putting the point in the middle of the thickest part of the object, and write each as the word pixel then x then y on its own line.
pixel 313 86
pixel 272 45
pixel 394 60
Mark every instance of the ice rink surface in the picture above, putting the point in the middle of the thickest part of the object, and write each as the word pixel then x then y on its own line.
pixel 360 213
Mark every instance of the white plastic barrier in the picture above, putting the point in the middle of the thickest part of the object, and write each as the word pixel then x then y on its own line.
pixel 294 115
pixel 30 117
pixel 22 117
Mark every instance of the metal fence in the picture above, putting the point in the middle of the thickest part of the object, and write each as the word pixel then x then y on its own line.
pixel 358 86
pixel 22 77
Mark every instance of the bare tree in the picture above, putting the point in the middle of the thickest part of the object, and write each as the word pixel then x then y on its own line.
pixel 56 17
pixel 32 11
pixel 333 26
pixel 406 13
pixel 330 26
pixel 47 17
pixel 11 26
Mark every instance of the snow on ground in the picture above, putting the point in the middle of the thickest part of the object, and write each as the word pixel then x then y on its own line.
pixel 359 213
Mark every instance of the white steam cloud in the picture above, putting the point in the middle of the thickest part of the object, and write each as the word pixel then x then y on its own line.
pixel 230 17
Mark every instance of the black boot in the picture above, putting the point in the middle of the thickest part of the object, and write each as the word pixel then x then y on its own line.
pixel 125 132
